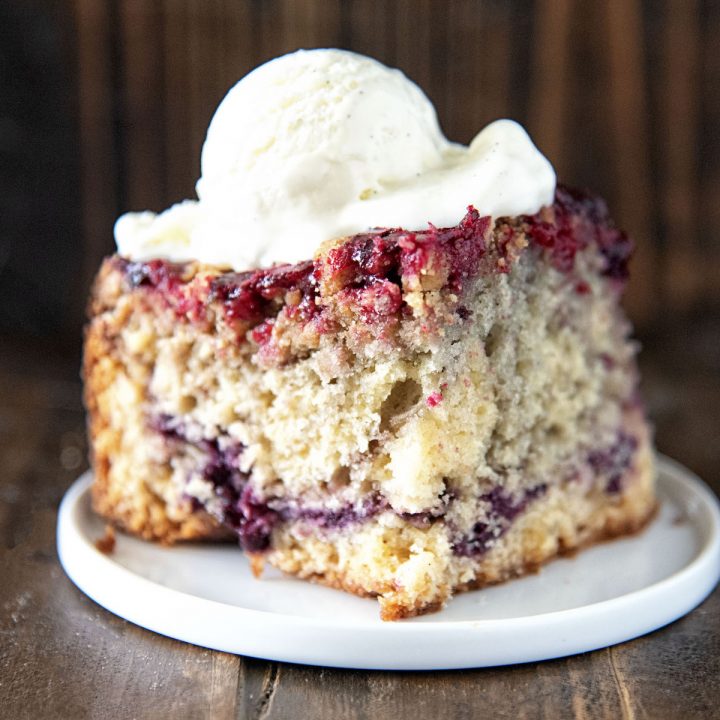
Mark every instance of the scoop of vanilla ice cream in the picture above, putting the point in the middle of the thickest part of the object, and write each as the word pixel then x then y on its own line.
pixel 324 143
pixel 318 128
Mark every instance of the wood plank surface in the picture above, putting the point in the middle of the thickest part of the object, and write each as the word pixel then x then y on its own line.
pixel 629 147
pixel 62 656
pixel 621 96
pixel 105 107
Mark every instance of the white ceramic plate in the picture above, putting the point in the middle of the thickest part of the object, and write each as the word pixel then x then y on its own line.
pixel 206 595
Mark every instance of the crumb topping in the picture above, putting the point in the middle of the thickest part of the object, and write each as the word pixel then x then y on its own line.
pixel 369 283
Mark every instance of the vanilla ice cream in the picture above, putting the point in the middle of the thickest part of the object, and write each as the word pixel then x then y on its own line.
pixel 320 144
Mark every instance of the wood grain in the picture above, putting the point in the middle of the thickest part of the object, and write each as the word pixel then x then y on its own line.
pixel 627 98
pixel 679 127
pixel 142 87
pixel 622 96
pixel 99 168
pixel 551 67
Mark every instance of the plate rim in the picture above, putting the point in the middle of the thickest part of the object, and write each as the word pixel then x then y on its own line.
pixel 698 578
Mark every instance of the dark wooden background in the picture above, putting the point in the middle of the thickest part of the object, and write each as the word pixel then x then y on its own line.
pixel 103 108
pixel 104 105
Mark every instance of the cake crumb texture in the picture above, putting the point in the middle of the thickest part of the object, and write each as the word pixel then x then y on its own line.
pixel 407 416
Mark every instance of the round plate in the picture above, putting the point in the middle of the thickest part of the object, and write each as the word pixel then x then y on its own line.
pixel 206 595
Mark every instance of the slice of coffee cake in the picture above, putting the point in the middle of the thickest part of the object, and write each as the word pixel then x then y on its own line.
pixel 408 415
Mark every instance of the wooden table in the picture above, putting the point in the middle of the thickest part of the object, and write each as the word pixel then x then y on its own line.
pixel 63 656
